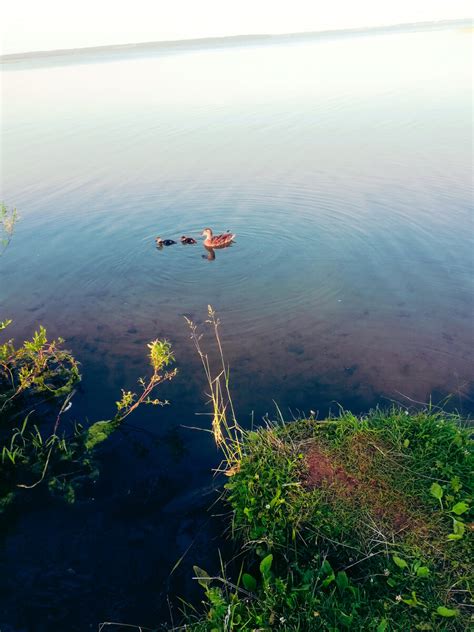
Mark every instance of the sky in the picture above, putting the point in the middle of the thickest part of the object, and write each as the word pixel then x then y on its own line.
pixel 33 25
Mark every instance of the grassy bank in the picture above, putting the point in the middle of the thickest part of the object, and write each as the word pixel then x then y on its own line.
pixel 348 523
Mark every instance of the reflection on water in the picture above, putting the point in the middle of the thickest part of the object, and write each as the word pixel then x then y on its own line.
pixel 211 251
pixel 344 168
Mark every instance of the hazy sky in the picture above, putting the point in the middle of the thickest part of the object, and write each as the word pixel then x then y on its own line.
pixel 28 25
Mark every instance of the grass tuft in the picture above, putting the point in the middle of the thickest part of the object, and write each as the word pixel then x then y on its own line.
pixel 350 523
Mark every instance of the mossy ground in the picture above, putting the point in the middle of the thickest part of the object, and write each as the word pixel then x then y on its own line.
pixel 350 523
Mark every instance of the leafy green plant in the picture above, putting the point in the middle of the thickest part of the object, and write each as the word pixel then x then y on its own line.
pixel 38 366
pixel 160 356
pixel 437 492
pixel 29 456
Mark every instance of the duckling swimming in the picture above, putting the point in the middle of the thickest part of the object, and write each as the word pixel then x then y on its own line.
pixel 187 240
pixel 164 242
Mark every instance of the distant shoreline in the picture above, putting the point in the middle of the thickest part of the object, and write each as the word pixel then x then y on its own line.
pixel 118 51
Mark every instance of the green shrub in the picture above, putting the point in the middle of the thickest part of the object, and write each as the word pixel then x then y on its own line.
pixel 31 456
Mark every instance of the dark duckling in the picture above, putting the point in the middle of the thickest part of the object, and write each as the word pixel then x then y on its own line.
pixel 188 240
pixel 164 242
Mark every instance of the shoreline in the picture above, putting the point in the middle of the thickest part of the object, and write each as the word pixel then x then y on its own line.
pixel 119 51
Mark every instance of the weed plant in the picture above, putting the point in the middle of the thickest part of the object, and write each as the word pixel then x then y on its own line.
pixel 41 374
pixel 224 425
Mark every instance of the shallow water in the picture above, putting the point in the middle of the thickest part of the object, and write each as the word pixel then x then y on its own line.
pixel 344 167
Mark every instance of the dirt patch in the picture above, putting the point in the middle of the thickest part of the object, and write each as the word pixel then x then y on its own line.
pixel 323 471
pixel 372 494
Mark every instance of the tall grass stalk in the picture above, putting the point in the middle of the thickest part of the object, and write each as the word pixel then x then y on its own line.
pixel 227 432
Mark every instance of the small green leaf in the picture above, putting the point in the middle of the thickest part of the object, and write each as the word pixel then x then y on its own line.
pixel 329 579
pixel 460 508
pixel 422 571
pixel 326 568
pixel 413 601
pixel 399 562
pixel 447 612
pixel 456 483
pixel 266 564
pixel 4 324
pixel 382 626
pixel 436 490
pixel 249 582
pixel 345 619
pixel 391 582
pixel 342 580
pixel 406 443
pixel 203 578
pixel 458 527
pixel 276 498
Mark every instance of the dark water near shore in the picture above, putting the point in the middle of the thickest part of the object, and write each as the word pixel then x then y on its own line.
pixel 344 167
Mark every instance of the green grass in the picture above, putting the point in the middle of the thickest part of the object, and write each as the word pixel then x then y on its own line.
pixel 349 523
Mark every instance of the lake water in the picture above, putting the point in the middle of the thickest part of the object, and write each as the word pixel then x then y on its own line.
pixel 344 167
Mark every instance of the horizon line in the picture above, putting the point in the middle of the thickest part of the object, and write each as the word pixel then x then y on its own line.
pixel 215 41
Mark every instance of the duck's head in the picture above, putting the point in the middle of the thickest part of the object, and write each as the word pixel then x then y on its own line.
pixel 158 240
pixel 207 232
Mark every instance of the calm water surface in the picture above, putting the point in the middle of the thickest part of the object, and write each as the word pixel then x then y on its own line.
pixel 344 167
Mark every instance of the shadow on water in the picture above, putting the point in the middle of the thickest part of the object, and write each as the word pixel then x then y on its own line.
pixel 344 169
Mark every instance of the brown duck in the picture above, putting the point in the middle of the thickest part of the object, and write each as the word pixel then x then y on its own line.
pixel 216 241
